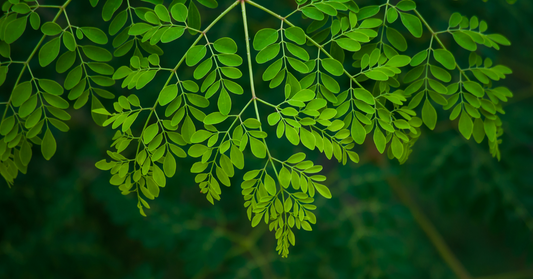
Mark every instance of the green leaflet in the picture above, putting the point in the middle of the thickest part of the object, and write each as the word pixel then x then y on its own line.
pixel 399 61
pixel 179 12
pixel 396 38
pixel 172 34
pixel 118 22
pixel 209 3
pixel 203 69
pixel 258 148
pixel 51 86
pixel 264 38
pixel 445 57
pixel 429 115
pixel 313 13
pixel 51 28
pixel 455 19
pixel 379 140
pixel 392 15
pixel 272 70
pixel 21 8
pixel 168 94
pixel 466 125
pixel 35 21
pixel 224 102
pixel 333 66
pixel 358 131
pixel 376 75
pixel 465 41
pixel 474 88
pixel 294 50
pixel 69 41
pixel 73 77
pixel 295 34
pixel 500 39
pixel 139 28
pixel 230 59
pixel 412 23
pixel 55 101
pixel 440 73
pixel 323 190
pixel 348 44
pixel 195 55
pixel 270 185
pixel 110 7
pixel 368 11
pixel 162 13
pixel 330 83
pixel 94 34
pixel 97 53
pixel 397 147
pixel 16 29
pixel 326 8
pixel 21 93
pixel 406 5
pixel 49 52
pixel 225 45
pixel 214 118
pixel 48 145
pixel 298 65
pixel 268 53
pixel 145 78
pixel 101 68
pixel 478 130
pixel 237 158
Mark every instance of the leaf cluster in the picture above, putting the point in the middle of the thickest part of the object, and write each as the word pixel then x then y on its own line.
pixel 345 75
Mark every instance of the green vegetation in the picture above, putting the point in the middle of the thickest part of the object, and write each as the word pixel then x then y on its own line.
pixel 279 103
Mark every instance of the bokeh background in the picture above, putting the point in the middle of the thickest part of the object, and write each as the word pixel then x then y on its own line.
pixel 64 220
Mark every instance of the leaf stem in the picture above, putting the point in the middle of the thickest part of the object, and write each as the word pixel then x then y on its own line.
pixel 267 103
pixel 254 97
pixel 248 52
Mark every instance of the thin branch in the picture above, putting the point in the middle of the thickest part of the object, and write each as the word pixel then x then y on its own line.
pixel 248 52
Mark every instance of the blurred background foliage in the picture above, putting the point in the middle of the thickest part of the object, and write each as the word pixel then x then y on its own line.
pixel 64 220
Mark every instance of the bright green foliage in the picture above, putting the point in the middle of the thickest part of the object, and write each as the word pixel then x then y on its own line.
pixel 343 76
pixel 40 103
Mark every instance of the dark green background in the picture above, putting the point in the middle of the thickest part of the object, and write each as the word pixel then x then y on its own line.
pixel 64 220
